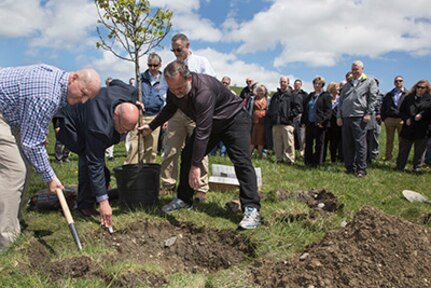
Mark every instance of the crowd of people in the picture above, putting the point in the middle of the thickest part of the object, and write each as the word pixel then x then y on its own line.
pixel 186 111
pixel 344 118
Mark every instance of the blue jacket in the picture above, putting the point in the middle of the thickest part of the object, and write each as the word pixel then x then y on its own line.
pixel 153 96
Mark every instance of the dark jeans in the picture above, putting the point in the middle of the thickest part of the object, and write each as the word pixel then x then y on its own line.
pixel 235 134
pixel 314 136
pixel 354 144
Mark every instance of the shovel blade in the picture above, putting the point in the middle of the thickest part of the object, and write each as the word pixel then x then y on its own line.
pixel 413 196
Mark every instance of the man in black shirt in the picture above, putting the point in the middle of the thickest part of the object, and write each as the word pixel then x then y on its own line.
pixel 219 116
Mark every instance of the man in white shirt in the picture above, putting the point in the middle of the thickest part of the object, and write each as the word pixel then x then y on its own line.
pixel 180 126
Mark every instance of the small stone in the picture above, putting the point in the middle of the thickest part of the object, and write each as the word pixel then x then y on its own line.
pixel 343 224
pixel 171 241
pixel 321 205
pixel 304 256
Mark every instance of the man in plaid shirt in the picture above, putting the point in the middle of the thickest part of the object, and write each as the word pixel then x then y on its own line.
pixel 29 98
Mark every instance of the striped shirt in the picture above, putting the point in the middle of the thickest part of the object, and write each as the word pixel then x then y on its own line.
pixel 29 98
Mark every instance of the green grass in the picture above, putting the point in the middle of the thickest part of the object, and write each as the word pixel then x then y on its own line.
pixel 277 239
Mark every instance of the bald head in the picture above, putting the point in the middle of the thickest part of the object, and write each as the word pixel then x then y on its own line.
pixel 82 85
pixel 126 117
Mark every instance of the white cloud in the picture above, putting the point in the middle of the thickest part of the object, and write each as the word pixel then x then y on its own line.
pixel 318 33
pixel 20 18
pixel 68 24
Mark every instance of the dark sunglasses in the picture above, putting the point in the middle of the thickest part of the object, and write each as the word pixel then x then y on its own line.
pixel 178 50
pixel 225 83
pixel 396 81
pixel 421 87
pixel 153 65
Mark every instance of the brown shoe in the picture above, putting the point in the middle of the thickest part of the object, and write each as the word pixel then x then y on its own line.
pixel 200 196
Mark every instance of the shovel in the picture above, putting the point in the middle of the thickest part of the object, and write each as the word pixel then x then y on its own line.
pixel 413 196
pixel 69 218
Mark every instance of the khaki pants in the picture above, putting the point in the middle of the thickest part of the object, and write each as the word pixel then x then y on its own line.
pixel 14 179
pixel 180 126
pixel 148 147
pixel 392 125
pixel 284 143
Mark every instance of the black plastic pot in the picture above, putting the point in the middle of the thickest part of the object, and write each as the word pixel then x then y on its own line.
pixel 138 185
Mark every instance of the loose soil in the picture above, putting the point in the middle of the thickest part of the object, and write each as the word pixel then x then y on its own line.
pixel 374 250
pixel 173 248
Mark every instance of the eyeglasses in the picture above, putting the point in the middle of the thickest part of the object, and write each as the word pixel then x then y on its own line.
pixel 153 65
pixel 178 50
pixel 225 83
pixel 421 87
pixel 399 80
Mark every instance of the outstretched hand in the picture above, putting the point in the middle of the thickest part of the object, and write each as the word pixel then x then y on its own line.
pixel 105 212
pixel 145 130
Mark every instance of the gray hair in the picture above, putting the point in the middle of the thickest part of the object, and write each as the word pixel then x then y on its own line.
pixel 177 67
pixel 358 63
pixel 181 36
pixel 153 56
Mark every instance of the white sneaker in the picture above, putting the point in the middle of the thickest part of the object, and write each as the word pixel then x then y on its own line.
pixel 251 218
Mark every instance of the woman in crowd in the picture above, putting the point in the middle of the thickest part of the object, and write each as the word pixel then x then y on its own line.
pixel 258 105
pixel 415 111
pixel 333 135
pixel 316 118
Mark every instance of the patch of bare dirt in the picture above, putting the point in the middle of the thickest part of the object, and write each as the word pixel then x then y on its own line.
pixel 137 279
pixel 179 248
pixel 374 250
pixel 318 199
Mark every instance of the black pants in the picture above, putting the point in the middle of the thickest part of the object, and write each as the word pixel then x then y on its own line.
pixel 333 142
pixel 314 136
pixel 61 151
pixel 86 196
pixel 235 134
pixel 404 150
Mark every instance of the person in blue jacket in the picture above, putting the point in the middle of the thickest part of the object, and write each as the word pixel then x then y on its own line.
pixel 88 130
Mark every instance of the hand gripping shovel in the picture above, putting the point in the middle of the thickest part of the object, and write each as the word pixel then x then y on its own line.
pixel 413 196
pixel 69 218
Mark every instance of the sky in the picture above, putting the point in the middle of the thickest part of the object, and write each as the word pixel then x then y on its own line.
pixel 261 39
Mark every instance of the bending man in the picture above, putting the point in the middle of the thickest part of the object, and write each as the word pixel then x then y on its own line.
pixel 219 116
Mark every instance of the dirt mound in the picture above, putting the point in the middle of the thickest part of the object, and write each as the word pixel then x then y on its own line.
pixel 315 198
pixel 179 248
pixel 374 250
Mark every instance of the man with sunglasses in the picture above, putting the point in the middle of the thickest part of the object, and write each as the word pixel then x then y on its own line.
pixel 390 113
pixel 180 126
pixel 88 130
pixel 153 99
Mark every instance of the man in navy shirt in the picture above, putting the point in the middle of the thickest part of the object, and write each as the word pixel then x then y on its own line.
pixel 88 130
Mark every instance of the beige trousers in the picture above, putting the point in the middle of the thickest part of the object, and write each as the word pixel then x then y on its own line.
pixel 392 125
pixel 148 147
pixel 284 143
pixel 180 126
pixel 14 179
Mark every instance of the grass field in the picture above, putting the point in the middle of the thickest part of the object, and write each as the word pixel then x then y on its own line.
pixel 274 240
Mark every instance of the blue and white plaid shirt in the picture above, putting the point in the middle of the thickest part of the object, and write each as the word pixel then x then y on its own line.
pixel 29 98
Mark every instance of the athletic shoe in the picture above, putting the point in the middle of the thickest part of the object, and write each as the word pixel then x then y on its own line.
pixel 251 218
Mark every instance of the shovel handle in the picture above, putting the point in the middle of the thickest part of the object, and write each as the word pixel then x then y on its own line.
pixel 69 219
pixel 64 206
